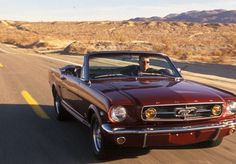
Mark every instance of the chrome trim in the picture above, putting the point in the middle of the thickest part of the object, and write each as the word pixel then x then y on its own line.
pixel 198 111
pixel 202 111
pixel 199 103
pixel 184 112
pixel 163 113
pixel 145 140
pixel 217 134
pixel 178 119
pixel 73 112
pixel 121 143
pixel 107 128
pixel 97 136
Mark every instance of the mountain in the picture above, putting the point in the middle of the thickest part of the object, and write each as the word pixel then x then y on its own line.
pixel 143 19
pixel 206 16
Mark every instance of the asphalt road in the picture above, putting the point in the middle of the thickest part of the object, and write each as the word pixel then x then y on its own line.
pixel 29 132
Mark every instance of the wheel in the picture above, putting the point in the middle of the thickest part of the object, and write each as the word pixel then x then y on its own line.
pixel 214 143
pixel 61 113
pixel 99 145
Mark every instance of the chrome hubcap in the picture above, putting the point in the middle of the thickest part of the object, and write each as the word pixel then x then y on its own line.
pixel 57 106
pixel 97 136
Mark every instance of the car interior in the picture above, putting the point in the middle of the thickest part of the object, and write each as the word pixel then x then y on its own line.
pixel 72 70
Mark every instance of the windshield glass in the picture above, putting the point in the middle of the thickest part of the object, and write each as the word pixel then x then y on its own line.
pixel 108 66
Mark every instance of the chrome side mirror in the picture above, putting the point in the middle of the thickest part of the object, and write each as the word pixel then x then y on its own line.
pixel 179 70
pixel 63 71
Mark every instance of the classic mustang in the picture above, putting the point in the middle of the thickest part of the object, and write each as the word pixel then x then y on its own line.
pixel 140 99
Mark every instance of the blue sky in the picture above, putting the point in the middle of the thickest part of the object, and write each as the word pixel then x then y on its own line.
pixel 81 10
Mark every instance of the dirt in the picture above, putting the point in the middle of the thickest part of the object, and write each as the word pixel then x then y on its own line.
pixel 195 42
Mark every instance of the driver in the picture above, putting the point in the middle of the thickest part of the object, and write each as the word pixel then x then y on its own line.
pixel 143 67
pixel 144 63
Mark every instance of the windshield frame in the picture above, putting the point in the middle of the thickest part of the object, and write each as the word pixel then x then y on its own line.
pixel 88 57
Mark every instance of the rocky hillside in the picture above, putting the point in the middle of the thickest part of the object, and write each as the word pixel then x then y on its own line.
pixel 210 16
pixel 201 42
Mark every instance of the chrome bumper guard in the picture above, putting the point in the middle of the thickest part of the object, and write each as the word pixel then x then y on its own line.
pixel 227 124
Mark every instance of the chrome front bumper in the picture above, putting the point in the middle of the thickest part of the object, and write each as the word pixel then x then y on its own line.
pixel 227 124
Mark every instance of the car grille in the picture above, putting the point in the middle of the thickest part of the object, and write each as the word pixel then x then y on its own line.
pixel 181 112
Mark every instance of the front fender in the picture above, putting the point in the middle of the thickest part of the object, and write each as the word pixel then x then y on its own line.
pixel 93 109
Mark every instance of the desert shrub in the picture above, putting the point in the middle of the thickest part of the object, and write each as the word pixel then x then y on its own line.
pixel 10 41
pixel 184 56
pixel 185 41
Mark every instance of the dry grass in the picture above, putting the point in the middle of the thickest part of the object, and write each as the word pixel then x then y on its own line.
pixel 215 43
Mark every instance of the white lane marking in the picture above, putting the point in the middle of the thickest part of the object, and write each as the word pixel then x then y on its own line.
pixel 56 59
pixel 4 51
pixel 211 77
pixel 46 57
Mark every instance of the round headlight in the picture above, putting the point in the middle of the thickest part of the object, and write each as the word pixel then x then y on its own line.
pixel 150 113
pixel 232 107
pixel 216 110
pixel 118 113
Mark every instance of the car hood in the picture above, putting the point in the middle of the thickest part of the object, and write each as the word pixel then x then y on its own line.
pixel 158 91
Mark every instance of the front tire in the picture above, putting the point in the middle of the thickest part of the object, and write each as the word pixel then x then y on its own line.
pixel 214 143
pixel 59 109
pixel 98 142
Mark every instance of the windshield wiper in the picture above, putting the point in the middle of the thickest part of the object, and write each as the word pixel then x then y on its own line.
pixel 152 74
pixel 110 75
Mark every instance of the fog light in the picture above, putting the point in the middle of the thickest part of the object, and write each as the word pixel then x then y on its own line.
pixel 150 113
pixel 216 110
pixel 120 140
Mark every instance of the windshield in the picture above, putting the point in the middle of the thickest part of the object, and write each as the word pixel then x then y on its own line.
pixel 108 66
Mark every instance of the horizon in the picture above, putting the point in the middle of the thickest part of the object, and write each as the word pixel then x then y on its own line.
pixel 103 10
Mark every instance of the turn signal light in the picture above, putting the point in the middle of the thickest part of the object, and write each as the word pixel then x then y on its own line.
pixel 216 110
pixel 150 113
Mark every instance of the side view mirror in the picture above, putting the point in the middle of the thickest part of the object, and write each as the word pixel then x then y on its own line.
pixel 179 70
pixel 63 71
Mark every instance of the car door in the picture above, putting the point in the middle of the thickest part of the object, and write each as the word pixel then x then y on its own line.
pixel 66 73
pixel 72 92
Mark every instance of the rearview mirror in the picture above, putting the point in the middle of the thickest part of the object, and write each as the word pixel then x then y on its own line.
pixel 179 70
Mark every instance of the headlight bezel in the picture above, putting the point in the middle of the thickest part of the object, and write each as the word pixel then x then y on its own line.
pixel 153 112
pixel 118 113
pixel 231 107
pixel 216 110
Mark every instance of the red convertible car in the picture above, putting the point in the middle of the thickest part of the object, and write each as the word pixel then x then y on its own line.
pixel 140 99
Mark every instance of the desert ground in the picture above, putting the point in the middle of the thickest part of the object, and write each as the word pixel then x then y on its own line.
pixel 210 43
pixel 30 135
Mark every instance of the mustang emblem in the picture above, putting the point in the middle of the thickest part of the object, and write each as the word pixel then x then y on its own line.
pixel 185 112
